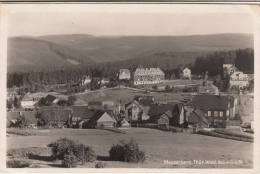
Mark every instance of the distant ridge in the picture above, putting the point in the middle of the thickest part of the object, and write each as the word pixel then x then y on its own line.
pixel 28 53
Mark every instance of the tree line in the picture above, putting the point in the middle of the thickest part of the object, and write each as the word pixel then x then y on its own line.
pixel 34 80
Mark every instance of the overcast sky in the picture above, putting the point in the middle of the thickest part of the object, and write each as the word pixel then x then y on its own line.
pixel 130 19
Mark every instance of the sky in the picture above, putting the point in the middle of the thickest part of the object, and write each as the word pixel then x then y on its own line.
pixel 128 19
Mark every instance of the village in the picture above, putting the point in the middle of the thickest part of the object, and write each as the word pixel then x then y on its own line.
pixel 203 106
pixel 181 107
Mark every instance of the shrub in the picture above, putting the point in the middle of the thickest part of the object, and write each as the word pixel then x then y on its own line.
pixel 66 149
pixel 99 165
pixel 61 147
pixel 128 152
pixel 70 160
pixel 84 153
pixel 17 164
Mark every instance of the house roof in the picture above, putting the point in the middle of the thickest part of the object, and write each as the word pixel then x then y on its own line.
pixel 56 114
pixel 83 112
pixel 210 102
pixel 99 114
pixel 200 115
pixel 159 109
pixel 134 101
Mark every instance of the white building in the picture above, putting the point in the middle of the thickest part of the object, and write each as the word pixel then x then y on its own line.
pixel 186 73
pixel 124 74
pixel 30 99
pixel 148 76
pixel 239 79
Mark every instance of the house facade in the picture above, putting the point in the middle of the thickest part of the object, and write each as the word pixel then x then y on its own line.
pixel 124 74
pixel 239 79
pixel 102 119
pixel 236 78
pixel 135 112
pixel 186 73
pixel 148 76
pixel 81 116
pixel 218 109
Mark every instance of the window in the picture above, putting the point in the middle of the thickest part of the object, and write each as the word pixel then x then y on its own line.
pixel 221 113
pixel 209 113
pixel 227 113
pixel 215 113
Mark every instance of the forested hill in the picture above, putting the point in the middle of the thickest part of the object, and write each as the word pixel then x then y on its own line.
pixel 54 51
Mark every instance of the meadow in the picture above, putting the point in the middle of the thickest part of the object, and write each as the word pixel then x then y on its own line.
pixel 159 146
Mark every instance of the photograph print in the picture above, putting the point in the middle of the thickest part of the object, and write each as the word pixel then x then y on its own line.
pixel 129 86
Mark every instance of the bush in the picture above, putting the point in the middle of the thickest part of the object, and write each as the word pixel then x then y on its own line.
pixel 66 149
pixel 99 165
pixel 70 160
pixel 61 147
pixel 128 152
pixel 17 164
pixel 84 153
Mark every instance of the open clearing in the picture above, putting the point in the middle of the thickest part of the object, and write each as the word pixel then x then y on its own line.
pixel 158 146
pixel 126 95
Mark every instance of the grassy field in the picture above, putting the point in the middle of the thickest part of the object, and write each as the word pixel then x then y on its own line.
pixel 158 146
pixel 127 95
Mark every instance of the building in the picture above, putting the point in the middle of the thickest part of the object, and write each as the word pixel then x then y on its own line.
pixel 55 117
pixel 143 109
pixel 136 113
pixel 238 79
pixel 102 119
pixel 124 74
pixel 186 73
pixel 81 116
pixel 144 76
pixel 174 111
pixel 197 118
pixel 123 123
pixel 28 116
pixel 218 109
pixel 85 80
pixel 30 99
pixel 208 89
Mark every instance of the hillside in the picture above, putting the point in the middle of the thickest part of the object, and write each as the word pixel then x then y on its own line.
pixel 77 50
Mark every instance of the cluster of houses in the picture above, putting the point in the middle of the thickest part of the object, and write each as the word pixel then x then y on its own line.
pixel 143 76
pixel 205 111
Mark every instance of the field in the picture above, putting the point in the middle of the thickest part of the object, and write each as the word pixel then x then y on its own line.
pixel 126 95
pixel 180 149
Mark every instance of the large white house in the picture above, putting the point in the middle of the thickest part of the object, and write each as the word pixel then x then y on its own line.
pixel 186 73
pixel 236 77
pixel 124 74
pixel 148 76
pixel 239 79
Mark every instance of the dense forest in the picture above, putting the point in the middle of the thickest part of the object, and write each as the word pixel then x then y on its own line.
pixel 242 58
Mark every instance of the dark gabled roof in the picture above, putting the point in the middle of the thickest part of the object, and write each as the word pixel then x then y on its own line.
pixel 210 102
pixel 201 115
pixel 56 114
pixel 83 112
pixel 159 109
pixel 99 114
pixel 134 101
